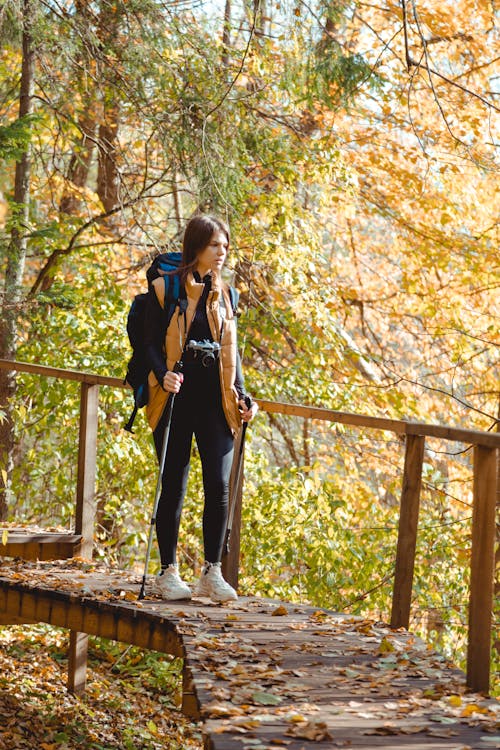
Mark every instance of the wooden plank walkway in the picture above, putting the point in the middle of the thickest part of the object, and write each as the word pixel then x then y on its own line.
pixel 263 674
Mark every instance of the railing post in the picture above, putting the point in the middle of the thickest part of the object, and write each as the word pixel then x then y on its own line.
pixel 407 534
pixel 77 662
pixel 482 569
pixel 84 520
pixel 87 452
pixel 231 561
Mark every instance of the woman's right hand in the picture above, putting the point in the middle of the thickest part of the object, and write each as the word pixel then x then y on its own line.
pixel 172 381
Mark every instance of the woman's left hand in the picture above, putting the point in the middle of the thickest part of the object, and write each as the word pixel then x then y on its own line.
pixel 248 413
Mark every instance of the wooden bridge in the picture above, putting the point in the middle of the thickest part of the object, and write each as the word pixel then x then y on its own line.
pixel 274 673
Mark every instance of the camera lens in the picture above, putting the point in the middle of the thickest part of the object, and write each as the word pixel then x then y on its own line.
pixel 208 359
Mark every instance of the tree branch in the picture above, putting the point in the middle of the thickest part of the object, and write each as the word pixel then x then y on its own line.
pixel 411 62
pixel 58 252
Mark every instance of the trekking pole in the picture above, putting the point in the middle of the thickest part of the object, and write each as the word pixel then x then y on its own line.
pixel 236 483
pixel 168 410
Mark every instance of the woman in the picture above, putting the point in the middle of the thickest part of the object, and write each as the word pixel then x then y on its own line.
pixel 209 401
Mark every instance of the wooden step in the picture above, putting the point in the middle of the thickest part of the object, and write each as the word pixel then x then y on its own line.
pixel 46 545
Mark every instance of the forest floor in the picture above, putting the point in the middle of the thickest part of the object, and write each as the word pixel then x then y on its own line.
pixel 132 700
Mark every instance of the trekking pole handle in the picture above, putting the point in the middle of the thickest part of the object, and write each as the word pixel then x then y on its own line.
pixel 178 367
pixel 248 404
pixel 248 401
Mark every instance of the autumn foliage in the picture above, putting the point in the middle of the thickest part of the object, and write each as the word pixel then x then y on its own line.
pixel 353 149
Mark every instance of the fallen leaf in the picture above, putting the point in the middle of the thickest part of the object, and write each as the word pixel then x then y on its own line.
pixel 385 730
pixel 312 730
pixel 473 708
pixel 442 732
pixel 216 709
pixel 266 699
pixel 279 611
pixel 297 718
pixel 229 728
pixel 386 646
pixel 443 719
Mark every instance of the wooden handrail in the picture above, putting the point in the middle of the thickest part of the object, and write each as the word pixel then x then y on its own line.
pixel 57 372
pixel 398 426
pixel 486 445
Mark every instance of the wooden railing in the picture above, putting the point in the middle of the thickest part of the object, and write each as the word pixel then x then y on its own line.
pixel 485 449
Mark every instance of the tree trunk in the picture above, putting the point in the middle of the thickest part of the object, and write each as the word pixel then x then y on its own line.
pixel 226 35
pixel 260 15
pixel 108 178
pixel 80 163
pixel 83 152
pixel 81 158
pixel 16 256
pixel 108 182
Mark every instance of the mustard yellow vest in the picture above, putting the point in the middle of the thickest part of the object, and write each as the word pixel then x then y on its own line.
pixel 175 338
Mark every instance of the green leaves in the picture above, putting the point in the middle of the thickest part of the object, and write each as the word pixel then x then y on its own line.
pixel 15 137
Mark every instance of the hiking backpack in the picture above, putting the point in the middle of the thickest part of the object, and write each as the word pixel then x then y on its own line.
pixel 138 368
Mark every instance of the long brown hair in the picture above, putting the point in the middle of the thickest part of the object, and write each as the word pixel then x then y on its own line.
pixel 197 235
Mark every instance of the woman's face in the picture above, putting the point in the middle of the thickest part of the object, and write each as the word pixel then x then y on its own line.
pixel 212 257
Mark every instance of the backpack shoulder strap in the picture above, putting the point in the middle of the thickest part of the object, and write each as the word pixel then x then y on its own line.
pixel 159 289
pixel 170 293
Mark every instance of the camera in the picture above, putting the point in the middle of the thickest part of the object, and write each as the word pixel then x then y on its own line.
pixel 207 350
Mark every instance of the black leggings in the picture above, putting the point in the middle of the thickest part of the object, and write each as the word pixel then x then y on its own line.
pixel 197 411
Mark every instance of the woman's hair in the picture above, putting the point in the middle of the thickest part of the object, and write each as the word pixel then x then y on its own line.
pixel 197 235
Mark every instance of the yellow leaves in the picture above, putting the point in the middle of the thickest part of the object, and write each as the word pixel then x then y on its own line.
pixel 386 647
pixel 5 536
pixel 129 596
pixel 297 718
pixel 473 708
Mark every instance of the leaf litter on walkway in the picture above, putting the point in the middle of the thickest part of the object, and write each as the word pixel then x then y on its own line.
pixel 265 672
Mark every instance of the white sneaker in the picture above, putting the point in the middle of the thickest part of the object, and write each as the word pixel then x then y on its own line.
pixel 213 585
pixel 171 586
